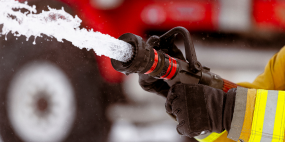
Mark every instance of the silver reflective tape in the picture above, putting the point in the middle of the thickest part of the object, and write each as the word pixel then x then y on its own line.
pixel 269 117
pixel 239 112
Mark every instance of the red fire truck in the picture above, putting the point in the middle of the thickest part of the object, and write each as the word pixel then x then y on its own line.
pixel 119 16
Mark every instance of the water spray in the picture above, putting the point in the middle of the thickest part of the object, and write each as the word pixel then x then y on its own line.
pixel 148 58
pixel 60 25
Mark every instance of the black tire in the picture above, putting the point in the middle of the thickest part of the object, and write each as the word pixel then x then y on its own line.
pixel 90 123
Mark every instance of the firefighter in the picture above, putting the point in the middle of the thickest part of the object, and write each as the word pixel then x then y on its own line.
pixel 241 114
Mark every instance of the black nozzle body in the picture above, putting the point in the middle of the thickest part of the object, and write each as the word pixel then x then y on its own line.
pixel 157 64
pixel 147 60
pixel 142 59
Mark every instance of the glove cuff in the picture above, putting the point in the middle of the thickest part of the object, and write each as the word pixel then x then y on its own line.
pixel 220 107
pixel 229 108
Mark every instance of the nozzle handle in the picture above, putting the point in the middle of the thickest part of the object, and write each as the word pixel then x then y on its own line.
pixel 188 43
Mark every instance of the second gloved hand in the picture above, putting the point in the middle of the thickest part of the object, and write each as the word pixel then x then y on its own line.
pixel 199 108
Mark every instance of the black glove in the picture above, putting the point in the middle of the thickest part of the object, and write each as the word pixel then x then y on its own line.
pixel 199 108
pixel 159 86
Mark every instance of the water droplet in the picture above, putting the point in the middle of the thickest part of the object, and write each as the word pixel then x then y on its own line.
pixel 34 41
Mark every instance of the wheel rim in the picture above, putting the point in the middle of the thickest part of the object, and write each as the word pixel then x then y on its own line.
pixel 41 103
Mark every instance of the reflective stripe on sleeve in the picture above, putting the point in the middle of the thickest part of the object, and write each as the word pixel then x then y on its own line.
pixel 239 113
pixel 269 116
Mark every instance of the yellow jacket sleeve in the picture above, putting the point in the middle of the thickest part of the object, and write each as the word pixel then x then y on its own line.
pixel 258 117
pixel 262 114
pixel 263 117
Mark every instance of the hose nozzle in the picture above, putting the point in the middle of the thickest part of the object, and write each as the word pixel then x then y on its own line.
pixel 141 59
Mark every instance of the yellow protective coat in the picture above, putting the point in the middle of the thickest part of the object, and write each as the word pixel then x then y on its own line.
pixel 273 78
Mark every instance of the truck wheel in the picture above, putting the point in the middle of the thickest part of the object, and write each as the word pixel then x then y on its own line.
pixel 49 92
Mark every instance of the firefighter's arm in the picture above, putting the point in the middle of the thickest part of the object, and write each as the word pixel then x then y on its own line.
pixel 258 116
pixel 271 79
pixel 244 115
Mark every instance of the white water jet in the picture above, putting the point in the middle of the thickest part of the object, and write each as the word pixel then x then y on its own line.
pixel 60 25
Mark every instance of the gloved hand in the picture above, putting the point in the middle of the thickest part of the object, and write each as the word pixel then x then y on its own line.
pixel 159 86
pixel 199 108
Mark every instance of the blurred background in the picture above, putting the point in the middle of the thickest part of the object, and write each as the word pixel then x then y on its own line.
pixel 234 38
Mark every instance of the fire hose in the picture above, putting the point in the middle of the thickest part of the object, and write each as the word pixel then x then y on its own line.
pixel 159 65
